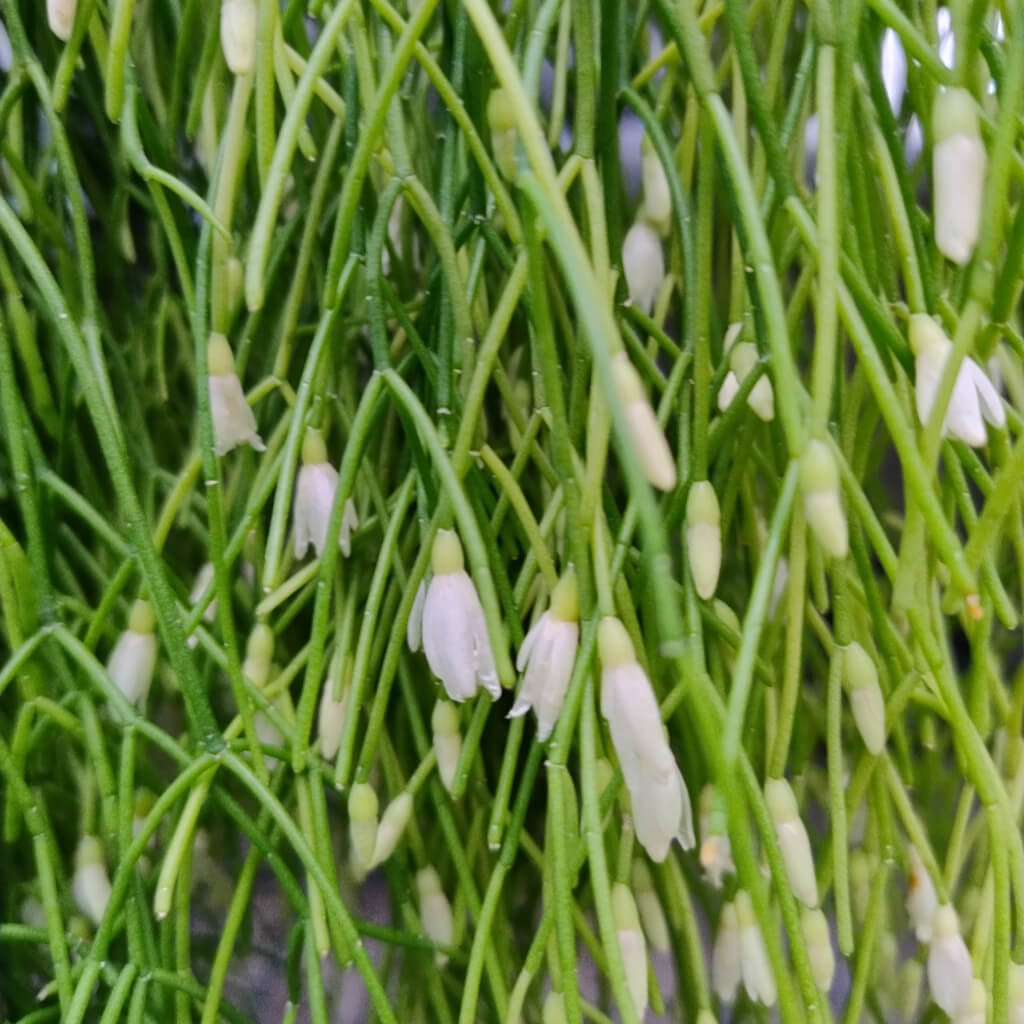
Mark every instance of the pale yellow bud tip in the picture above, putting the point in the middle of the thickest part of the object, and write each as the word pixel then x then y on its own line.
pixel 362 802
pixel 565 600
pixel 613 643
pixel 141 619
pixel 445 719
pixel 954 114
pixel 446 556
pixel 314 451
pixel 219 357
pixel 260 647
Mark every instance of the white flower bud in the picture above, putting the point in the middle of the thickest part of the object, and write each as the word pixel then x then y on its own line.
pixel 959 163
pixel 866 700
pixel 554 1009
pixel 202 583
pixel 727 955
pixel 823 505
pixel 362 823
pixel 922 902
pixel 793 841
pixel 392 825
pixel 949 963
pixel 435 912
pixel 631 945
pixel 314 499
pixel 657 203
pixel 133 659
pixel 547 655
pixel 974 1010
pixel 233 420
pixel 259 652
pixel 501 119
pixel 238 34
pixel 657 792
pixel 743 358
pixel 60 14
pixel 819 948
pixel 973 401
pixel 453 628
pixel 715 849
pixel 758 979
pixel 649 444
pixel 90 885
pixel 651 913
pixel 703 537
pixel 447 741
pixel 644 265
pixel 331 719
pixel 909 987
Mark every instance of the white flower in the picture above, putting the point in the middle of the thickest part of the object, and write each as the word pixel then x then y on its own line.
pixel 362 824
pixel 823 505
pixel 233 420
pixel 631 945
pixel 202 583
pixel 90 885
pixel 435 911
pixel 444 723
pixel 238 34
pixel 973 400
pixel 60 14
pixel 547 655
pixel 703 538
pixel 651 912
pixel 758 979
pixel 819 948
pixel 726 956
pixel 894 69
pixel 660 801
pixel 133 658
pixel 715 849
pixel 331 717
pixel 922 901
pixel 974 1010
pixel 865 694
pixel 314 499
pixel 644 265
pixel 649 444
pixel 453 627
pixel 793 841
pixel 949 963
pixel 743 358
pixel 657 204
pixel 392 824
pixel 959 163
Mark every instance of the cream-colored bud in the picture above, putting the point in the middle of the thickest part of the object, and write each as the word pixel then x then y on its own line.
pixel 703 537
pixel 743 358
pixel 949 963
pixel 793 841
pixel 652 915
pixel 331 719
pixel 922 901
pixel 392 826
pixel 644 265
pixel 657 203
pixel 90 885
pixel 60 14
pixel 819 947
pixel 959 165
pixel 631 945
pixel 554 1009
pixel 446 556
pixel 501 119
pixel 447 740
pixel 823 505
pixel 727 956
pixel 362 823
pixel 865 694
pixel 649 444
pixel 758 979
pixel 435 911
pixel 238 34
pixel 974 1011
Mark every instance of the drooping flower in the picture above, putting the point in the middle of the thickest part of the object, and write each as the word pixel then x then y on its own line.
pixel 703 537
pixel 973 401
pixel 362 824
pixel 652 915
pixel 238 34
pixel 793 840
pixel 657 201
pixel 631 945
pixel 233 420
pixel 660 801
pixel 758 979
pixel 90 885
pixel 649 444
pixel 823 505
pixel 453 627
pixel 819 947
pixel 435 912
pixel 447 740
pixel 60 14
pixel 644 265
pixel 314 499
pixel 547 656
pixel 922 902
pixel 133 658
pixel 727 955
pixel 715 849
pixel 959 163
pixel 949 962
pixel 392 825
pixel 865 694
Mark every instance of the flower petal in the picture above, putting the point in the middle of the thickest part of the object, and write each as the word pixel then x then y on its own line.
pixel 991 404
